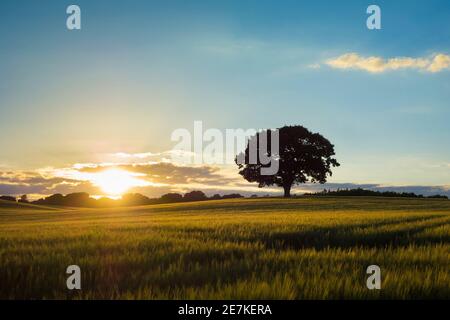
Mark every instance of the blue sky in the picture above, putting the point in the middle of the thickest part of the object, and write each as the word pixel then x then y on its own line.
pixel 137 70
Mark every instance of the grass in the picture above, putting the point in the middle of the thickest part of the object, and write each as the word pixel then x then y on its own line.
pixel 308 248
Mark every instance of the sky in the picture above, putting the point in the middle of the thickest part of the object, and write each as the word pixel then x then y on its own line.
pixel 111 94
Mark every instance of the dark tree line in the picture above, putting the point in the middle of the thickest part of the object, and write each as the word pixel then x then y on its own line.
pixel 22 199
pixel 83 199
pixel 359 192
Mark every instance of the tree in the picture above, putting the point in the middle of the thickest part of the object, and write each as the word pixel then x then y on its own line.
pixel 80 199
pixel 23 198
pixel 232 196
pixel 171 197
pixel 134 199
pixel 303 157
pixel 55 199
pixel 8 198
pixel 195 196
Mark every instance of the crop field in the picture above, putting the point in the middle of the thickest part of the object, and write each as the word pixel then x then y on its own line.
pixel 300 248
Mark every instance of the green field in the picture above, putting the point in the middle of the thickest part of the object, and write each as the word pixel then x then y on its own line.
pixel 300 248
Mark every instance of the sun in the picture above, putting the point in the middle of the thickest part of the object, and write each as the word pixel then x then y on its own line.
pixel 115 182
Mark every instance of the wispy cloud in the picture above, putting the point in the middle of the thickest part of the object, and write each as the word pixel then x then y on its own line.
pixel 373 64
pixel 314 66
pixel 36 184
pixel 155 178
pixel 142 155
pixel 232 46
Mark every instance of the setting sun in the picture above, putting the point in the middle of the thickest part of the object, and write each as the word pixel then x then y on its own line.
pixel 115 182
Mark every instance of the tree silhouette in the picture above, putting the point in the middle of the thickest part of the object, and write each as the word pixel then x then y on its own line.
pixel 195 196
pixel 135 199
pixel 303 156
pixel 171 197
pixel 8 198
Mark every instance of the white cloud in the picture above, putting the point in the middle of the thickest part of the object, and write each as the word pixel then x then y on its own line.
pixel 440 62
pixel 435 63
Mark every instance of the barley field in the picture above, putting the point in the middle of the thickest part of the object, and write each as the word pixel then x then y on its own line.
pixel 301 248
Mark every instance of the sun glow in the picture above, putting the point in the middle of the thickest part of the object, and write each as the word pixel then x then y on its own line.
pixel 115 182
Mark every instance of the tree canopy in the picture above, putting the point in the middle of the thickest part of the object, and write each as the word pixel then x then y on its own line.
pixel 302 157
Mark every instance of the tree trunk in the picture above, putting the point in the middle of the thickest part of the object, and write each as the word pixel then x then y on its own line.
pixel 287 190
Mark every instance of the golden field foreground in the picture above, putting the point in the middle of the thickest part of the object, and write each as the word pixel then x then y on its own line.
pixel 302 248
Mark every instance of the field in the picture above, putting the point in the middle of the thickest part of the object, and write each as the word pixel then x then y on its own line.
pixel 304 248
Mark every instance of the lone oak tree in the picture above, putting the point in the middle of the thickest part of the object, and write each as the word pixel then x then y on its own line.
pixel 303 156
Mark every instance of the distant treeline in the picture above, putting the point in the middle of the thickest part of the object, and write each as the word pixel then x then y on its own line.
pixel 371 193
pixel 83 199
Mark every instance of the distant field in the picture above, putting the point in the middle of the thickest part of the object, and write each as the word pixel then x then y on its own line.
pixel 229 249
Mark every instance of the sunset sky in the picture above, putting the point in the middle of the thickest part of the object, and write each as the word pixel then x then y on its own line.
pixel 74 104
